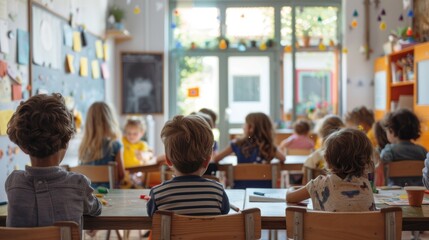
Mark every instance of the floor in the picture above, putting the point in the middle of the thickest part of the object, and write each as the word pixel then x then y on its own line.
pixel 134 235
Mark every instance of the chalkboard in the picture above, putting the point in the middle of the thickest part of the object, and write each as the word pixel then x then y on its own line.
pixel 80 91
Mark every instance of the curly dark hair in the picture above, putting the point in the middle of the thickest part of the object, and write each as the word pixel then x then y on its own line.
pixel 42 125
pixel 403 123
pixel 380 135
pixel 348 152
pixel 360 115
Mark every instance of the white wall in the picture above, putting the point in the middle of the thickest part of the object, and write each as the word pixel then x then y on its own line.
pixel 359 72
pixel 148 35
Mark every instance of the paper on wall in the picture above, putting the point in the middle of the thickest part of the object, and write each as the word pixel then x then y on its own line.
pixel 95 69
pixel 5 116
pixel 4 41
pixel 3 9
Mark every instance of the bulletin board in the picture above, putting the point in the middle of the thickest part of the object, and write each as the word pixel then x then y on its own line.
pixel 50 69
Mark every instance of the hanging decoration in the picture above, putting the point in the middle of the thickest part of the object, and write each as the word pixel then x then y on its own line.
pixel 173 25
pixel 331 43
pixel 409 32
pixel 287 49
pixel 263 46
pixel 176 13
pixel 322 46
pixel 410 13
pixel 379 18
pixel 383 26
pixel 355 13
pixel 194 92
pixel 383 12
pixel 345 50
pixel 222 44
pixel 354 23
pixel 401 18
pixel 136 10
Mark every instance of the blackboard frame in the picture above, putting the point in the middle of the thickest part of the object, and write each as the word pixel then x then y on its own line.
pixel 142 82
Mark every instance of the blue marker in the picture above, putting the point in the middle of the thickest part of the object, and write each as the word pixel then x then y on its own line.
pixel 259 193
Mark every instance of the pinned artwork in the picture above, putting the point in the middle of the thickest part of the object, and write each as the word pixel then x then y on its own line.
pixel 70 63
pixel 194 92
pixel 4 41
pixel 16 92
pixel 23 47
pixel 84 67
pixel 68 35
pixel 99 49
pixel 105 71
pixel 77 44
pixel 95 69
pixel 3 68
pixel 5 90
pixel 5 116
pixel 106 52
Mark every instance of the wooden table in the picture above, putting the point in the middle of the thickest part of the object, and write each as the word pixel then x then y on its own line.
pixel 273 213
pixel 293 162
pixel 125 210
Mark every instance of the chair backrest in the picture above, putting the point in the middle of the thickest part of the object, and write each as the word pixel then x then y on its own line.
pixel 405 168
pixel 320 225
pixel 245 225
pixel 64 230
pixel 97 173
pixel 251 171
pixel 298 151
pixel 310 173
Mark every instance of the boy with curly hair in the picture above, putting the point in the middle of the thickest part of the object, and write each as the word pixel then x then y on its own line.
pixel 45 193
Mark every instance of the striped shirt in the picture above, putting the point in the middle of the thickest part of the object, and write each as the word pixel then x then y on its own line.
pixel 189 195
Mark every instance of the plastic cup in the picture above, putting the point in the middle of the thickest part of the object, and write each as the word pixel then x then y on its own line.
pixel 415 195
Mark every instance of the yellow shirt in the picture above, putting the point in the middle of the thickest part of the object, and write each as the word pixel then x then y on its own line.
pixel 130 150
pixel 370 134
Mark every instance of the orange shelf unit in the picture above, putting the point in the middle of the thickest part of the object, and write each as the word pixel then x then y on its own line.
pixel 381 87
pixel 421 89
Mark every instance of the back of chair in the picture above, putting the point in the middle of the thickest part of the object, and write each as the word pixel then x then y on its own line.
pixel 61 230
pixel 97 173
pixel 298 151
pixel 405 168
pixel 309 225
pixel 251 171
pixel 245 225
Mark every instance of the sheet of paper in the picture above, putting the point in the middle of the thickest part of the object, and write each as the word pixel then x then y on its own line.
pixel 5 116
pixel 105 71
pixel 3 68
pixel 106 52
pixel 99 49
pixel 23 47
pixel 70 63
pixel 84 67
pixel 267 198
pixel 77 44
pixel 3 9
pixel 68 35
pixel 95 68
pixel 4 40
pixel 16 92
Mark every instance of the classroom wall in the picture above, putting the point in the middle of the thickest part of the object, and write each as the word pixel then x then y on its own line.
pixel 358 76
pixel 148 35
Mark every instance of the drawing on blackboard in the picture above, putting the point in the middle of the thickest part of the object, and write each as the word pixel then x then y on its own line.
pixel 142 82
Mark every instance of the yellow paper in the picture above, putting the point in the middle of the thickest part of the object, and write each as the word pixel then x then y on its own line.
pixel 106 52
pixel 5 116
pixel 99 49
pixel 77 44
pixel 70 64
pixel 84 67
pixel 95 69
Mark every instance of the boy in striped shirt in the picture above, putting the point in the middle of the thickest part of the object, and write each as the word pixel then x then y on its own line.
pixel 188 145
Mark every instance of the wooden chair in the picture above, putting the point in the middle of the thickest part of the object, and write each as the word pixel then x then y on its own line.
pixel 298 151
pixel 253 172
pixel 64 230
pixel 99 174
pixel 320 225
pixel 285 175
pixel 243 225
pixel 405 168
pixel 310 173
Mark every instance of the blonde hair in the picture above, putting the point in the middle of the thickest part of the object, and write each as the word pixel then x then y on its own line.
pixel 188 142
pixel 261 135
pixel 360 116
pixel 101 124
pixel 135 122
pixel 330 124
pixel 348 152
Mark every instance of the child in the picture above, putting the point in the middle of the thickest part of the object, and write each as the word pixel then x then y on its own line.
pixel 256 146
pixel 100 143
pixel 381 139
pixel 136 151
pixel 300 138
pixel 362 118
pixel 329 124
pixel 401 127
pixel 188 147
pixel 45 193
pixel 346 189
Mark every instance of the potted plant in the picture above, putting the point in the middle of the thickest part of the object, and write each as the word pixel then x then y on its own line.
pixel 116 15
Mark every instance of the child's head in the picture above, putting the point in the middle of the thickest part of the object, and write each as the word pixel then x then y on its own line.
pixel 348 152
pixel 206 117
pixel 259 126
pixel 134 130
pixel 188 142
pixel 42 125
pixel 301 127
pixel 361 118
pixel 380 135
pixel 211 113
pixel 330 124
pixel 402 124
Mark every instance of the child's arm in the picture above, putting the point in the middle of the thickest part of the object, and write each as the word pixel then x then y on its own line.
pixel 91 204
pixel 280 156
pixel 227 151
pixel 225 204
pixel 151 206
pixel 297 195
